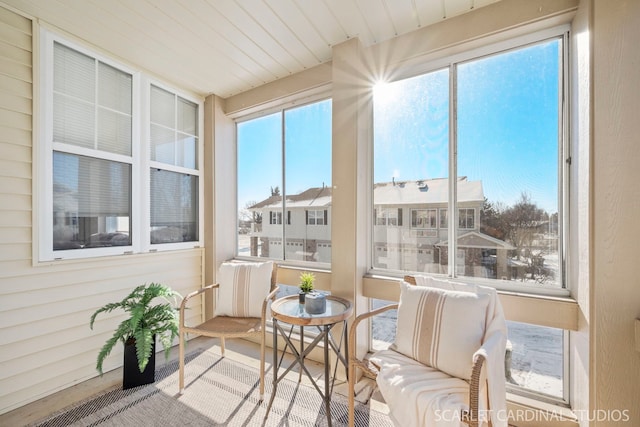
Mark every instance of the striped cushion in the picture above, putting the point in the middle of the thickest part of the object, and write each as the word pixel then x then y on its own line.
pixel 441 328
pixel 243 288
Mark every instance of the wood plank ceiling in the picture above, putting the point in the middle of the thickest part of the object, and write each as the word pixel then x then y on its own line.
pixel 226 47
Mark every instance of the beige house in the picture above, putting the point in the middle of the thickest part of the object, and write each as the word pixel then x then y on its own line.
pixel 46 296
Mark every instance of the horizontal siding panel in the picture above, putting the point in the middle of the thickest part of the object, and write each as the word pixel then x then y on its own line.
pixel 11 268
pixel 14 185
pixel 15 169
pixel 76 341
pixel 43 327
pixel 24 338
pixel 14 218
pixel 17 202
pixel 16 21
pixel 15 54
pixel 14 119
pixel 15 153
pixel 15 252
pixel 16 103
pixel 103 288
pixel 12 86
pixel 15 136
pixel 73 272
pixel 16 70
pixel 12 235
pixel 67 369
pixel 15 37
pixel 23 396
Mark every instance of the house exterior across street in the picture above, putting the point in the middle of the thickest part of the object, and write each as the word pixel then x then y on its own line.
pixel 410 228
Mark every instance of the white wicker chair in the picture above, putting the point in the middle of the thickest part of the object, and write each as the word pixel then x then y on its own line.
pixel 470 417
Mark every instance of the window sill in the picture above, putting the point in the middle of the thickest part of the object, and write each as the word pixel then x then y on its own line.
pixel 525 412
pixel 541 310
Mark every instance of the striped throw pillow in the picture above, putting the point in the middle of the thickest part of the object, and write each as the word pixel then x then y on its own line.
pixel 441 328
pixel 243 288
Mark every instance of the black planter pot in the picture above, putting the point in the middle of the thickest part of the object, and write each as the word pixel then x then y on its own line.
pixel 131 375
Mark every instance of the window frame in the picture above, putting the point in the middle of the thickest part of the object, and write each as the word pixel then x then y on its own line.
pixel 197 172
pixel 466 218
pixel 415 222
pixel 307 98
pixel 319 216
pixel 386 219
pixel 139 160
pixel 275 218
pixel 421 66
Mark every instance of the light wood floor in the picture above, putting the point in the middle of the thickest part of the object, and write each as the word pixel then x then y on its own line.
pixel 240 350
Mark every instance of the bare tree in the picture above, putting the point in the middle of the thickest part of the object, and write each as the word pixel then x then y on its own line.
pixel 522 221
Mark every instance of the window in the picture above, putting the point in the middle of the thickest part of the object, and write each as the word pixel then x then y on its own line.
pixel 424 218
pixel 275 217
pixel 274 154
pixel 508 166
pixel 389 216
pixel 92 172
pixel 466 218
pixel 316 217
pixel 174 171
pixel 444 223
pixel 481 141
pixel 91 154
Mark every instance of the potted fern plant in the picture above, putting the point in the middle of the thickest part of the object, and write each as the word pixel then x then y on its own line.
pixel 147 319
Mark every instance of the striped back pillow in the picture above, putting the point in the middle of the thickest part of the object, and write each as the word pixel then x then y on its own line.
pixel 441 328
pixel 243 288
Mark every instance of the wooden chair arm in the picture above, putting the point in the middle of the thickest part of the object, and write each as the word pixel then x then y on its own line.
pixel 265 303
pixel 356 322
pixel 183 304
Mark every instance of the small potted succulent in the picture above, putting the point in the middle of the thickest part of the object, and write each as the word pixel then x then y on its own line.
pixel 306 285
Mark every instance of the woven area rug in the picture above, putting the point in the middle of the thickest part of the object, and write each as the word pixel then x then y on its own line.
pixel 219 392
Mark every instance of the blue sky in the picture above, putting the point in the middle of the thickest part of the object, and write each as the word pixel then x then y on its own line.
pixel 308 136
pixel 507 126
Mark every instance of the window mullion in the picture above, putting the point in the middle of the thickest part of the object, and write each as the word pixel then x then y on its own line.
pixel 284 182
pixel 453 171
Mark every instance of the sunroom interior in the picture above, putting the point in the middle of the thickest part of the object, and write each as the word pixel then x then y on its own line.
pixel 245 119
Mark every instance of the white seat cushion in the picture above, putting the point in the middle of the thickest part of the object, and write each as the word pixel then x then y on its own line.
pixel 243 288
pixel 418 395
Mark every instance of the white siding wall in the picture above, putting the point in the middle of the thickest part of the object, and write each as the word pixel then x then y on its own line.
pixel 45 341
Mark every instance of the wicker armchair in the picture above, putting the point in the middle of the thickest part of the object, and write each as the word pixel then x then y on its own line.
pixel 228 327
pixel 470 417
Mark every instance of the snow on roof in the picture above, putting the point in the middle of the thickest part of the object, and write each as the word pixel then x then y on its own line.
pixel 428 191
pixel 319 202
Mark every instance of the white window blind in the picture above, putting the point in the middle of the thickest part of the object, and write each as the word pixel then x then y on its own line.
pixel 91 104
pixel 174 207
pixel 174 125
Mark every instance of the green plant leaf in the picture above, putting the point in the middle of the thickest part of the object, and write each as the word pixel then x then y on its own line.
pixel 144 341
pixel 148 316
